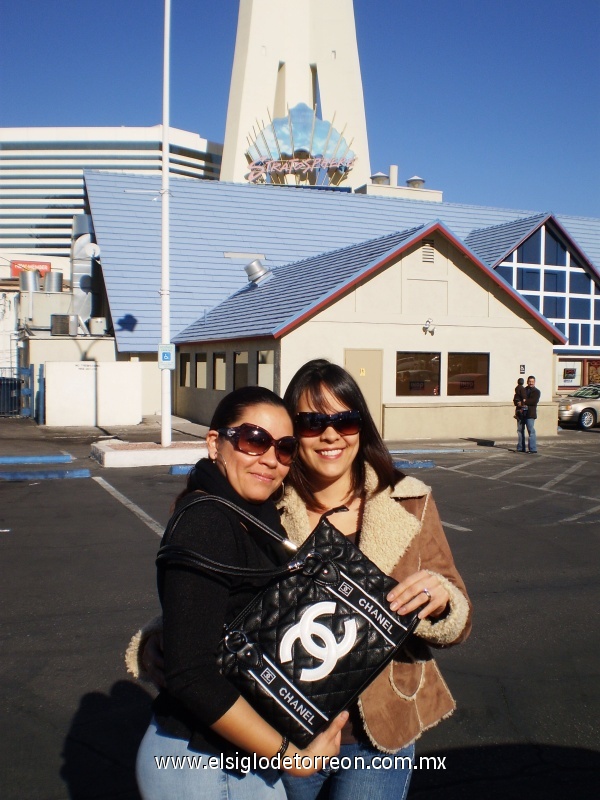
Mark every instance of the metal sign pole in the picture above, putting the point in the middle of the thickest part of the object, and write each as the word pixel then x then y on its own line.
pixel 165 286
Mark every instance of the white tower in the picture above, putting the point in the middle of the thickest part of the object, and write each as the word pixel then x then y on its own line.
pixel 291 52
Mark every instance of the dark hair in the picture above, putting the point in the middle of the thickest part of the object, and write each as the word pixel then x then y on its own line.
pixel 313 378
pixel 234 404
pixel 230 410
pixel 529 377
pixel 521 381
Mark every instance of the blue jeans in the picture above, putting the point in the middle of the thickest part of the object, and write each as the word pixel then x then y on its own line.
pixel 356 778
pixel 530 425
pixel 187 775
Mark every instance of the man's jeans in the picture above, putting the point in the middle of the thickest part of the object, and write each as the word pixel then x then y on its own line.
pixel 530 424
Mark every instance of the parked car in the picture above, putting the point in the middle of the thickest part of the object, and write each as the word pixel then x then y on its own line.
pixel 581 408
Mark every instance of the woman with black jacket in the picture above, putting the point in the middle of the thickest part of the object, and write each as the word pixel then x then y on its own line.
pixel 202 735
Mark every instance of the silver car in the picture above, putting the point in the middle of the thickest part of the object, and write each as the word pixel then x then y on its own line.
pixel 581 408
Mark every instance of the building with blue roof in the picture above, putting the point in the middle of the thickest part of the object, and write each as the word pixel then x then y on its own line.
pixel 420 321
pixel 218 228
pixel 429 304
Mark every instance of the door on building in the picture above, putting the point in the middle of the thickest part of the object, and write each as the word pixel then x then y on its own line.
pixel 366 367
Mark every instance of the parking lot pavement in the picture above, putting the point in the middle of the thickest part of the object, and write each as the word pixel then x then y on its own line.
pixel 78 578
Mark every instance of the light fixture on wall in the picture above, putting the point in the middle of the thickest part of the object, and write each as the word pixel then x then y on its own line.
pixel 429 327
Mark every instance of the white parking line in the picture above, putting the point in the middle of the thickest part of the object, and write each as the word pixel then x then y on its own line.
pixel 539 498
pixel 458 467
pixel 456 527
pixel 560 477
pixel 147 520
pixel 581 514
pixel 510 469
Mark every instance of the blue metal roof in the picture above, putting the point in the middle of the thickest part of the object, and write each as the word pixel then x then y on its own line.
pixel 493 244
pixel 265 308
pixel 210 219
pixel 295 291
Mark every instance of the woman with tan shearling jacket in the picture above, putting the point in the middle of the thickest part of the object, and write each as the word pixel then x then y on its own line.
pixel 393 519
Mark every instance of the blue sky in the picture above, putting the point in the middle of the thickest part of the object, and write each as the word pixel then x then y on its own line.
pixel 495 102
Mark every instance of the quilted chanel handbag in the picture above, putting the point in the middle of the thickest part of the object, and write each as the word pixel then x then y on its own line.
pixel 314 637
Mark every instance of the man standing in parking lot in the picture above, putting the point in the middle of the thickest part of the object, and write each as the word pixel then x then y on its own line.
pixel 532 398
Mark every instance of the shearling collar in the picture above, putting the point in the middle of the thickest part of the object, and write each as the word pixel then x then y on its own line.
pixel 387 528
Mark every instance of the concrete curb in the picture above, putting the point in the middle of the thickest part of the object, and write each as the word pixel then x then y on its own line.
pixel 180 469
pixel 124 454
pixel 434 450
pixel 55 459
pixel 44 475
pixel 414 464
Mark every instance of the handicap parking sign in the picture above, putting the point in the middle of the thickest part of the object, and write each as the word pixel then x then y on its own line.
pixel 166 356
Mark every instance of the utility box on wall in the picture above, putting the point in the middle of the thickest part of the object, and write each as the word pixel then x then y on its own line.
pixel 93 394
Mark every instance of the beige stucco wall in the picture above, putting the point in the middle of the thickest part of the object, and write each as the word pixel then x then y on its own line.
pixel 452 420
pixel 150 378
pixel 44 349
pixel 470 314
pixel 93 393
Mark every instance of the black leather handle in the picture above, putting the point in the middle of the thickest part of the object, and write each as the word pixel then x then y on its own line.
pixel 186 557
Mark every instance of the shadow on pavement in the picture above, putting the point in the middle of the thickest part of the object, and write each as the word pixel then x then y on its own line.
pixel 101 745
pixel 508 772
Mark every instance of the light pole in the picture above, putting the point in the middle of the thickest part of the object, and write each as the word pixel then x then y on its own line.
pixel 165 300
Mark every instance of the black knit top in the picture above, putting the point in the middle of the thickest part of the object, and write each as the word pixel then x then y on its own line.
pixel 197 605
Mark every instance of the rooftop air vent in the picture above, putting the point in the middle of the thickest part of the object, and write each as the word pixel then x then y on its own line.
pixel 415 182
pixel 256 271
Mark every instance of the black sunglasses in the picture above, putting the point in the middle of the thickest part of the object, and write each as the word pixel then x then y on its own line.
pixel 255 441
pixel 312 423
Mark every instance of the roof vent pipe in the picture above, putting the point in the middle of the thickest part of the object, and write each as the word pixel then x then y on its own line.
pixel 393 175
pixel 256 271
pixel 380 179
pixel 415 182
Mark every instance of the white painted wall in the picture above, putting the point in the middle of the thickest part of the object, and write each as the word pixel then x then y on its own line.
pixel 88 393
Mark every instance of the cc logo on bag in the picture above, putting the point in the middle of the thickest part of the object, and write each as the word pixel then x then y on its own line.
pixel 307 630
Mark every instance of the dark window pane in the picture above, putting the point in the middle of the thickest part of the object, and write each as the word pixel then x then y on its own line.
pixel 561 327
pixel 573 334
pixel 468 373
pixel 533 299
pixel 585 335
pixel 597 309
pixel 506 273
pixel 596 335
pixel 579 308
pixel 580 283
pixel 556 253
pixel 530 251
pixel 417 374
pixel 528 279
pixel 554 307
pixel 184 369
pixel 240 370
pixel 554 281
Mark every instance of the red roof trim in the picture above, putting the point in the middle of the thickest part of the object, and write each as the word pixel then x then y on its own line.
pixel 434 227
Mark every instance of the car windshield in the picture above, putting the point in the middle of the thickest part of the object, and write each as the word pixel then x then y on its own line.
pixel 588 391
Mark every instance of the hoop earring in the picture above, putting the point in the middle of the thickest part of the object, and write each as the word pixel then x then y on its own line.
pixel 222 460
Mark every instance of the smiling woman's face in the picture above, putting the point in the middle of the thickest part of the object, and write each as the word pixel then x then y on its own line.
pixel 329 456
pixel 254 478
